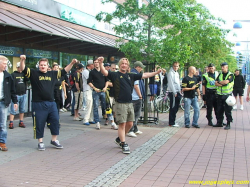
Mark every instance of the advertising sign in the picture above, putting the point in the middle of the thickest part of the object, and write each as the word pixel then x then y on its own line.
pixel 48 7
pixel 10 51
pixel 41 54
pixel 76 16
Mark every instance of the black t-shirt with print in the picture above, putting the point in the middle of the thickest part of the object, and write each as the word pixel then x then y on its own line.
pixel 189 82
pixel 123 85
pixel 43 84
pixel 77 77
pixel 20 82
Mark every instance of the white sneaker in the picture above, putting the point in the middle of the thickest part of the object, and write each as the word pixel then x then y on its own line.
pixel 138 132
pixel 77 119
pixel 61 110
pixel 241 107
pixel 131 134
pixel 235 107
pixel 64 109
pixel 98 126
pixel 114 126
pixel 175 125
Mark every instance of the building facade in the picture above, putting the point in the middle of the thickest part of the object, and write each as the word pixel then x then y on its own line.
pixel 57 30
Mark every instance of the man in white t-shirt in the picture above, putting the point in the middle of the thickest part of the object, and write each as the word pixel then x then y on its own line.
pixel 87 93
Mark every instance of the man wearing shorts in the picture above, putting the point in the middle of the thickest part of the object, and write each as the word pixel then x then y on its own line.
pixel 123 83
pixel 43 103
pixel 78 91
pixel 239 85
pixel 21 87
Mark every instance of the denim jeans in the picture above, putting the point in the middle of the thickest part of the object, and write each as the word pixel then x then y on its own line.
pixel 3 120
pixel 187 103
pixel 21 101
pixel 137 110
pixel 96 97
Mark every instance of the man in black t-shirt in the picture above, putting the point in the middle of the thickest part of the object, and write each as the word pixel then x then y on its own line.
pixel 189 86
pixel 123 87
pixel 20 82
pixel 99 84
pixel 43 104
pixel 239 86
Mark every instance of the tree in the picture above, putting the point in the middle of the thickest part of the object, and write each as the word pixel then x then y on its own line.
pixel 164 31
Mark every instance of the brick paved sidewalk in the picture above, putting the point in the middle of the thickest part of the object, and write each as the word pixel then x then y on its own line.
pixel 208 154
pixel 91 158
pixel 87 153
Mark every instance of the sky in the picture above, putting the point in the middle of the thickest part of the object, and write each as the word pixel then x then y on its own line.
pixel 230 10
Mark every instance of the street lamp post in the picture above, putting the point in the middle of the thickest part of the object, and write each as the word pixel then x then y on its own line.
pixel 245 66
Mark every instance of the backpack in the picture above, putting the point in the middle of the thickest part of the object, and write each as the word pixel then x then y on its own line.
pixel 71 80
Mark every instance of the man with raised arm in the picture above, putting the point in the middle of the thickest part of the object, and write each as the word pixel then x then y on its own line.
pixel 43 103
pixel 123 83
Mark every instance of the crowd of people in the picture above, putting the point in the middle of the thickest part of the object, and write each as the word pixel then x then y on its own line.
pixel 118 90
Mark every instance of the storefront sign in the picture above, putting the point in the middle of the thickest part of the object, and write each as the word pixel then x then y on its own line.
pixel 48 7
pixel 41 54
pixel 10 51
pixel 76 16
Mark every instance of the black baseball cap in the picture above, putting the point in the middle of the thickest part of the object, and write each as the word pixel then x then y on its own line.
pixel 224 64
pixel 107 64
pixel 210 65
pixel 79 66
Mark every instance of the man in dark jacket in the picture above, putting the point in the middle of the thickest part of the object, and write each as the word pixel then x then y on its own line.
pixel 239 85
pixel 7 93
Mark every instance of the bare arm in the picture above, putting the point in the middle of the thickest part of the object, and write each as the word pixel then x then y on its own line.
pixel 68 67
pixel 94 88
pixel 103 70
pixel 225 82
pixel 137 90
pixel 203 90
pixel 150 74
pixel 248 91
pixel 64 89
pixel 22 62
pixel 106 86
pixel 77 86
pixel 188 89
pixel 218 84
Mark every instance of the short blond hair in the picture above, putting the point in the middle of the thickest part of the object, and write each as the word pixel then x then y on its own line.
pixel 120 61
pixel 3 59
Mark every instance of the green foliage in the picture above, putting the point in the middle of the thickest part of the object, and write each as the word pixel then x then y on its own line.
pixel 168 30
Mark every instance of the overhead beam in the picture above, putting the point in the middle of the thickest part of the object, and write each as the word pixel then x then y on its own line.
pixel 54 44
pixel 29 37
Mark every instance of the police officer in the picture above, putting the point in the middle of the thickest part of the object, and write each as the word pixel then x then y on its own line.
pixel 209 92
pixel 224 83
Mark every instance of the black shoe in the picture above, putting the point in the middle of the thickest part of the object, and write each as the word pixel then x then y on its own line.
pixel 118 142
pixel 72 115
pixel 41 146
pixel 204 106
pixel 224 124
pixel 187 126
pixel 210 123
pixel 196 126
pixel 227 127
pixel 218 125
pixel 56 144
pixel 125 148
